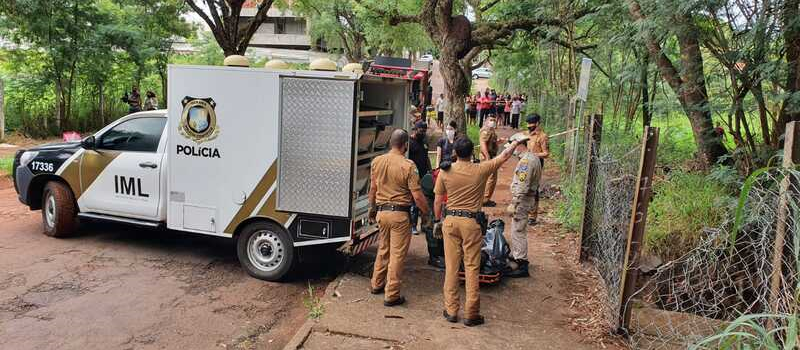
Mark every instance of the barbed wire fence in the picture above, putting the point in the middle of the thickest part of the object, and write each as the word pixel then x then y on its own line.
pixel 747 266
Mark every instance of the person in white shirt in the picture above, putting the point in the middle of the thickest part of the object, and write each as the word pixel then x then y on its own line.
pixel 441 106
pixel 516 107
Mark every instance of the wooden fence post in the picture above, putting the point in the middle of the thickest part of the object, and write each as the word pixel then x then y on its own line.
pixel 641 200
pixel 592 152
pixel 568 139
pixel 791 157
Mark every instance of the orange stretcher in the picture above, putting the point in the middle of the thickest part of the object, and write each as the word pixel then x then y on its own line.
pixel 483 279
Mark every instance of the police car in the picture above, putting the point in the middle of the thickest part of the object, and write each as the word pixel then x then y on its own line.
pixel 275 159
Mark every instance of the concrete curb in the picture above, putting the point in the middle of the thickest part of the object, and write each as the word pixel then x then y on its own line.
pixel 305 330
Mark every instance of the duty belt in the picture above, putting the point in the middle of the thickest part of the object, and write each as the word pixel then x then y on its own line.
pixel 393 207
pixel 462 213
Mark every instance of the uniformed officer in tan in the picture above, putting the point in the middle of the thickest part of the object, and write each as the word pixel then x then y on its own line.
pixel 488 140
pixel 394 187
pixel 524 186
pixel 538 145
pixel 464 184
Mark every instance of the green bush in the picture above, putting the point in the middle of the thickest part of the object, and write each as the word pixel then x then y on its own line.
pixel 683 205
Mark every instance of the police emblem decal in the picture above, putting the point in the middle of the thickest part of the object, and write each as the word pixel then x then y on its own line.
pixel 198 119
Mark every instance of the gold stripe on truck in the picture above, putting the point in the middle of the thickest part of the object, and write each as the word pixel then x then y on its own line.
pixel 93 164
pixel 84 168
pixel 254 198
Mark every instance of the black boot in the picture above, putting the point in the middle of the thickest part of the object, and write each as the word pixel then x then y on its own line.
pixel 436 261
pixel 520 271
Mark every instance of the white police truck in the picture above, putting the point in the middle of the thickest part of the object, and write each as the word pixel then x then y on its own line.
pixel 275 159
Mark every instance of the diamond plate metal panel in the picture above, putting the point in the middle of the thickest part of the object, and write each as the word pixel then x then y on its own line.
pixel 316 147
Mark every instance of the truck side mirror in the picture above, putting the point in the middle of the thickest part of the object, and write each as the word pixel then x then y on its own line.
pixel 89 143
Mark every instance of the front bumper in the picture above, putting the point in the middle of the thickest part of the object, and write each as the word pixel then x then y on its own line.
pixel 22 181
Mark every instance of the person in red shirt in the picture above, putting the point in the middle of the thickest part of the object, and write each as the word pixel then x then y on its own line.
pixel 485 102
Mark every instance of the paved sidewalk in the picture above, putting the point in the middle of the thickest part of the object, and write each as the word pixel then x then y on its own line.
pixel 528 313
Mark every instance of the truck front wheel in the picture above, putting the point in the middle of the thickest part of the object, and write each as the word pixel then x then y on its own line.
pixel 58 210
pixel 265 251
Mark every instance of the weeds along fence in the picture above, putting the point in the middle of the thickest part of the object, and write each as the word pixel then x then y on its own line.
pixel 748 266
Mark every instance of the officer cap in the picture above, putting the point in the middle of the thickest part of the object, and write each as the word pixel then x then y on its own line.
pixel 421 125
pixel 533 118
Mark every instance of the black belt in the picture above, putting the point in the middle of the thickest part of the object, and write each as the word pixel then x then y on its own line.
pixel 393 207
pixel 462 213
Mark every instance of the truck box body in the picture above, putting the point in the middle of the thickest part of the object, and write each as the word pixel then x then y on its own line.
pixel 292 147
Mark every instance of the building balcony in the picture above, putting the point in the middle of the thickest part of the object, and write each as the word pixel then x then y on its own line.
pixel 280 40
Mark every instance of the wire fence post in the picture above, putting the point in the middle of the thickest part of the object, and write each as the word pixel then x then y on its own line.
pixel 592 153
pixel 568 139
pixel 791 157
pixel 636 229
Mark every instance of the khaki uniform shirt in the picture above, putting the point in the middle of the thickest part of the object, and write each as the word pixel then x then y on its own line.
pixel 538 142
pixel 490 137
pixel 395 177
pixel 526 175
pixel 464 183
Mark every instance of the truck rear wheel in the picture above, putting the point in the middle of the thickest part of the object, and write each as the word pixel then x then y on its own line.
pixel 58 210
pixel 265 251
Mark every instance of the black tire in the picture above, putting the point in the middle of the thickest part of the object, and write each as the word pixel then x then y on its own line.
pixel 58 210
pixel 474 77
pixel 274 259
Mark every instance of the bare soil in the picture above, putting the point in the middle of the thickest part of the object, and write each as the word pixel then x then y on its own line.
pixel 124 287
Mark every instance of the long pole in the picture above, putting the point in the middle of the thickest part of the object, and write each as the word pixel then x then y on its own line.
pixel 592 153
pixel 641 200
pixel 791 156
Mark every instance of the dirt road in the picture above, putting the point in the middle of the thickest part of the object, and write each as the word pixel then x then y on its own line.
pixel 123 287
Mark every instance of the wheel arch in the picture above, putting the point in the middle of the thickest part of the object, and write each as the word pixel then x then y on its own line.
pixel 36 189
pixel 258 218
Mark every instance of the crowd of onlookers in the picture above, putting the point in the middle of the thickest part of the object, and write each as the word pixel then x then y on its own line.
pixel 505 107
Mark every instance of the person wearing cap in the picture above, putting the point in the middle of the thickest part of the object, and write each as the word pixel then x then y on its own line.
pixel 538 145
pixel 394 188
pixel 489 140
pixel 524 189
pixel 463 183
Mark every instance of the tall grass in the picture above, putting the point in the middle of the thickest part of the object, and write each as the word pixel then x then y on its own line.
pixel 749 332
pixel 684 204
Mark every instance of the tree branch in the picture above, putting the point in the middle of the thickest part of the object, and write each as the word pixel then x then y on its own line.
pixel 488 6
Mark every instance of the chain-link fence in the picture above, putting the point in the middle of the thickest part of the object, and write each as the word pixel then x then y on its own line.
pixel 610 188
pixel 748 266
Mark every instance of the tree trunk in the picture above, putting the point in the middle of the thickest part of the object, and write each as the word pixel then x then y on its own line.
pixel 758 94
pixel 647 116
pixel 61 104
pixel 456 83
pixel 695 95
pixel 102 102
pixel 790 110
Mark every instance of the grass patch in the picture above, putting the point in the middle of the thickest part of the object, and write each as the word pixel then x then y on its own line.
pixel 6 165
pixel 684 204
pixel 313 304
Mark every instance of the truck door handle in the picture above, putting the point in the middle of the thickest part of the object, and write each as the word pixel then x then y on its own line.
pixel 150 165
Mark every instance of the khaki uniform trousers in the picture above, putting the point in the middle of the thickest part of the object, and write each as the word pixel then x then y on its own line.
pixel 519 226
pixel 462 239
pixel 393 241
pixel 491 183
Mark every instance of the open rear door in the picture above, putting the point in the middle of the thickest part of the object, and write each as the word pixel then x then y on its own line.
pixel 315 160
